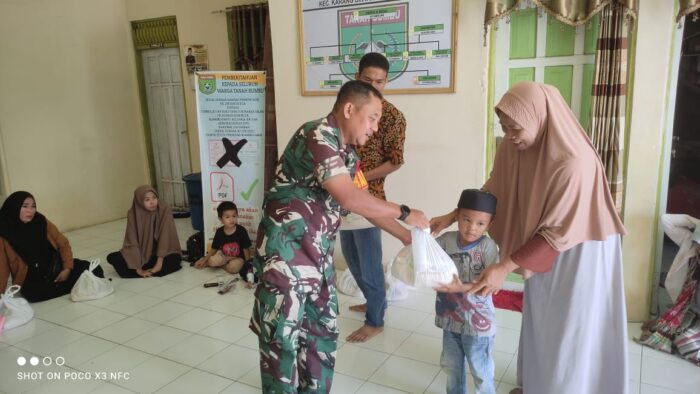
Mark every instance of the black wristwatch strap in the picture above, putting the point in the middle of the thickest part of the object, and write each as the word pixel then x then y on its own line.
pixel 405 211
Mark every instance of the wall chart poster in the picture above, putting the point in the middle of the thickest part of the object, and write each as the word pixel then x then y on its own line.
pixel 231 119
pixel 196 58
pixel 416 36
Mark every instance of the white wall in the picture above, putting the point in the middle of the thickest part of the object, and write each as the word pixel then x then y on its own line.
pixel 69 115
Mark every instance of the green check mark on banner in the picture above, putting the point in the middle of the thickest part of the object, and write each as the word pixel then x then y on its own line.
pixel 246 194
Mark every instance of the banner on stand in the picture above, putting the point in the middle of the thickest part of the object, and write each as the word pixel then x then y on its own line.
pixel 231 119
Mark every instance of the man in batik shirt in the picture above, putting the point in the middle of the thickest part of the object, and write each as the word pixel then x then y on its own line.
pixel 360 239
pixel 295 308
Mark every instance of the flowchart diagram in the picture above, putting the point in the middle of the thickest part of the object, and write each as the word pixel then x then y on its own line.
pixel 415 36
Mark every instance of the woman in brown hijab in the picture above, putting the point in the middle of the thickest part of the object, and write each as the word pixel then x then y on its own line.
pixel 556 220
pixel 151 246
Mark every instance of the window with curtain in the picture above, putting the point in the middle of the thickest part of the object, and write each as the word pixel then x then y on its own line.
pixel 580 47
pixel 535 46
pixel 250 48
pixel 246 32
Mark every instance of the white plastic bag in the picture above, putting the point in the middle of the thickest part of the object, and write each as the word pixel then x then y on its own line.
pixel 395 289
pixel 402 266
pixel 89 286
pixel 14 312
pixel 423 263
pixel 347 284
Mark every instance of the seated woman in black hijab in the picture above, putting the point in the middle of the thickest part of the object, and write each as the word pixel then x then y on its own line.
pixel 34 252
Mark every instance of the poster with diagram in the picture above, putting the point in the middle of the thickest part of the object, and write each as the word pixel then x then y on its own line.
pixel 416 36
pixel 231 120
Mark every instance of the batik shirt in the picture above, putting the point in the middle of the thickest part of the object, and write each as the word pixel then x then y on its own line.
pixel 464 313
pixel 384 145
pixel 300 218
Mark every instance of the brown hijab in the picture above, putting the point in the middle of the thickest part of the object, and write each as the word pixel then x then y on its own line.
pixel 556 187
pixel 146 231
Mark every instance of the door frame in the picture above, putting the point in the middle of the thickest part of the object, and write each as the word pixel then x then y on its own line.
pixel 4 176
pixel 667 140
pixel 143 101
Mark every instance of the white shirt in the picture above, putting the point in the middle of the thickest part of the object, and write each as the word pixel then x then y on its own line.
pixel 680 229
pixel 355 222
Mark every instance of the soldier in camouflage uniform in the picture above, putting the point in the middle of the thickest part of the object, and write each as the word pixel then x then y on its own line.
pixel 296 306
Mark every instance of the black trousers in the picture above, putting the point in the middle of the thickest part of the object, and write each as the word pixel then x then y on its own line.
pixel 171 263
pixel 36 289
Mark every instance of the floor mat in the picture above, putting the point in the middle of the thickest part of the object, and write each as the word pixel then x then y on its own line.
pixel 510 300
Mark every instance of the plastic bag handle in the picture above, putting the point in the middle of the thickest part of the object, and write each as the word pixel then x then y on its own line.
pixel 11 291
pixel 94 264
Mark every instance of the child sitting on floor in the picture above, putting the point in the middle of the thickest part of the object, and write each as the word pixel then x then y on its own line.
pixel 230 248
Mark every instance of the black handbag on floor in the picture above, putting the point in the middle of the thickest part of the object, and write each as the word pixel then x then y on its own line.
pixel 48 271
pixel 195 247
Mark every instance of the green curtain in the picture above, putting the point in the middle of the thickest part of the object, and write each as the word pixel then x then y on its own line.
pixel 687 7
pixel 571 12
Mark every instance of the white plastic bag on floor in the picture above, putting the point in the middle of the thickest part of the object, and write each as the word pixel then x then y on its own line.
pixel 423 263
pixel 347 284
pixel 89 286
pixel 395 289
pixel 14 312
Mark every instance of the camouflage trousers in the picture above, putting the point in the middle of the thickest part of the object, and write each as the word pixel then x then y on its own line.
pixel 297 334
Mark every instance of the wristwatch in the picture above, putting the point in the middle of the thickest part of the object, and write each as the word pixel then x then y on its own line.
pixel 405 211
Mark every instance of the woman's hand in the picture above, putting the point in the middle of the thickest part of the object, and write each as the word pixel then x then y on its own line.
pixel 63 275
pixel 456 286
pixel 437 224
pixel 143 273
pixel 491 279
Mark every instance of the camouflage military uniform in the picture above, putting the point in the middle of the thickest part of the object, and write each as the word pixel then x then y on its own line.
pixel 296 305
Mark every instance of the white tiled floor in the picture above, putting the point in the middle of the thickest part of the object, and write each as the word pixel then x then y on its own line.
pixel 173 336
